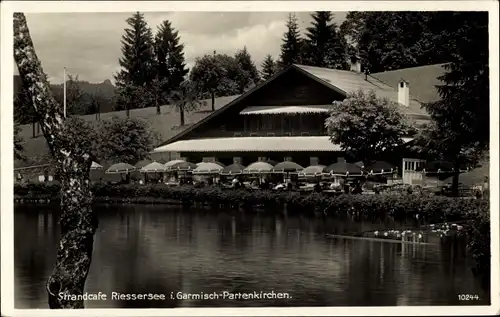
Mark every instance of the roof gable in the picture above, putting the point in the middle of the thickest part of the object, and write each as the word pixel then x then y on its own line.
pixel 248 94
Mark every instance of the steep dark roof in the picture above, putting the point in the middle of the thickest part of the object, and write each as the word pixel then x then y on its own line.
pixel 422 80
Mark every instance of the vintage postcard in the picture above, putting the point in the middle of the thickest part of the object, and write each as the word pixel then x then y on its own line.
pixel 276 158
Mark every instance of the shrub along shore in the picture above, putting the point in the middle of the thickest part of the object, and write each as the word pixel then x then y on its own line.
pixel 398 206
pixel 428 209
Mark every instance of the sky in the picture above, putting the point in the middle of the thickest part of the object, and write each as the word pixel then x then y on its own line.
pixel 88 44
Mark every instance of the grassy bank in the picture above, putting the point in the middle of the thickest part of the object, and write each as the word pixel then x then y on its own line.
pixel 166 125
pixel 429 209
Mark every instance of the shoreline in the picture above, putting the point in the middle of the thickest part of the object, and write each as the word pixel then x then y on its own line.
pixel 475 213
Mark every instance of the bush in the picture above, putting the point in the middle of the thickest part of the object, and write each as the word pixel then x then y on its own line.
pixel 478 231
pixel 430 208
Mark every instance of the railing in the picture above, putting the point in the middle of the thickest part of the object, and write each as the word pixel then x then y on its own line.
pixel 263 133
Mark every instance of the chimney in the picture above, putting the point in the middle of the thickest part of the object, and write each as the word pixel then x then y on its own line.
pixel 404 93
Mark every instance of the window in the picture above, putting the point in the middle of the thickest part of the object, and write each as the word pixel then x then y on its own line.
pixel 237 134
pixel 402 84
pixel 254 134
pixel 270 134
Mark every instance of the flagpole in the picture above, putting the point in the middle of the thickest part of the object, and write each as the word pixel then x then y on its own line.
pixel 64 88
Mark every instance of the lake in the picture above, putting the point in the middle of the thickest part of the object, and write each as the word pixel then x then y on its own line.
pixel 164 249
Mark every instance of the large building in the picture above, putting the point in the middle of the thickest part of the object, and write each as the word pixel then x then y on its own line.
pixel 283 118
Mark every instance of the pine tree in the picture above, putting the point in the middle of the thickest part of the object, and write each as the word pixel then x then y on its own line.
pixel 324 46
pixel 268 67
pixel 137 62
pixel 395 40
pixel 460 130
pixel 171 65
pixel 291 47
pixel 251 75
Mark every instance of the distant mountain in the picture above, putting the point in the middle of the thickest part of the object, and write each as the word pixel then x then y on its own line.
pixel 105 90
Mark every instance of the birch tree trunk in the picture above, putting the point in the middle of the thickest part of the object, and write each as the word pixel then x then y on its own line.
pixel 77 221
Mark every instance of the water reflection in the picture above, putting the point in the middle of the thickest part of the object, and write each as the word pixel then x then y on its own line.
pixel 163 249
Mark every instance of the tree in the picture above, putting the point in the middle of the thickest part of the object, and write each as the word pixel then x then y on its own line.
pixel 232 76
pixel 75 97
pixel 324 46
pixel 250 75
pixel 269 67
pixel 217 74
pixel 96 100
pixel 185 99
pixel 125 140
pixel 74 158
pixel 206 74
pixel 159 93
pixel 394 40
pixel 366 126
pixel 459 132
pixel 171 65
pixel 292 43
pixel 24 112
pixel 130 97
pixel 18 143
pixel 137 62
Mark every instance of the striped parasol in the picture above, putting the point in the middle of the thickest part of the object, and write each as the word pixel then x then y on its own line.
pixel 258 168
pixel 380 168
pixel 154 167
pixel 233 169
pixel 207 168
pixel 120 168
pixel 343 169
pixel 313 170
pixel 183 166
pixel 287 167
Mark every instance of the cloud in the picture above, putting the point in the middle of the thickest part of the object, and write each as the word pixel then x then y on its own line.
pixel 88 44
